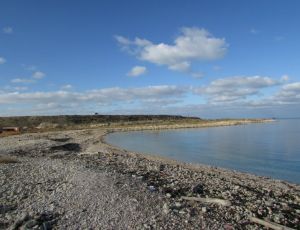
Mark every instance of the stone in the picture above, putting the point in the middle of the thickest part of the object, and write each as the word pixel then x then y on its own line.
pixel 269 203
pixel 31 223
pixel 46 226
pixel 177 204
pixel 199 189
pixel 152 188
pixel 166 209
pixel 19 222
pixel 277 218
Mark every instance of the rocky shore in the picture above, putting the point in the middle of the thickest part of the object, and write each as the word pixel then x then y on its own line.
pixel 74 180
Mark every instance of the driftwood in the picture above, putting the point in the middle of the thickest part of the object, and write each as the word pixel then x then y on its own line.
pixel 269 224
pixel 208 200
pixel 10 129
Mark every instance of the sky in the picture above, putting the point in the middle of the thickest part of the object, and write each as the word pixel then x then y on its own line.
pixel 212 59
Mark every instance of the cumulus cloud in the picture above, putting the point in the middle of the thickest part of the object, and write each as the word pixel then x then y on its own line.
pixel 20 88
pixel 22 80
pixel 235 88
pixel 14 88
pixel 29 67
pixel 2 60
pixel 137 71
pixel 197 75
pixel 289 93
pixel 181 66
pixel 7 30
pixel 38 75
pixel 105 100
pixel 192 44
pixel 285 78
pixel 222 97
pixel 67 87
pixel 106 95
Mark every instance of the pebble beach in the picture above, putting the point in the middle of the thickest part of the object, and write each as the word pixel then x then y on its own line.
pixel 74 180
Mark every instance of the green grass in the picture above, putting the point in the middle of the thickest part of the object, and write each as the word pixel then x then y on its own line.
pixel 77 120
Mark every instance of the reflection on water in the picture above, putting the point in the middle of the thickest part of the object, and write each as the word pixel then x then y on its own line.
pixel 270 149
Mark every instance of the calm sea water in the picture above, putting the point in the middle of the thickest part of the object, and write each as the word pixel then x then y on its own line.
pixel 268 149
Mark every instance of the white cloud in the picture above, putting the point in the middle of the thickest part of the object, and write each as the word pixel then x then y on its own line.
pixel 2 60
pixel 38 75
pixel 106 95
pixel 7 30
pixel 15 88
pixel 230 97
pixel 22 80
pixel 235 88
pixel 284 78
pixel 136 42
pixel 289 93
pixel 292 87
pixel 29 67
pixel 20 88
pixel 106 100
pixel 137 71
pixel 181 66
pixel 192 44
pixel 67 87
pixel 197 75
pixel 122 40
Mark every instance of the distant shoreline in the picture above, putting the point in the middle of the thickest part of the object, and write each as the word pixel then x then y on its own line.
pixel 31 124
pixel 203 124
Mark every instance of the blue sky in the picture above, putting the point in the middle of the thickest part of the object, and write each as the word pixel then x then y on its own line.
pixel 200 58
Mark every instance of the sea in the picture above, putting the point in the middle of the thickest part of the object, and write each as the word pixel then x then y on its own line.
pixel 269 149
